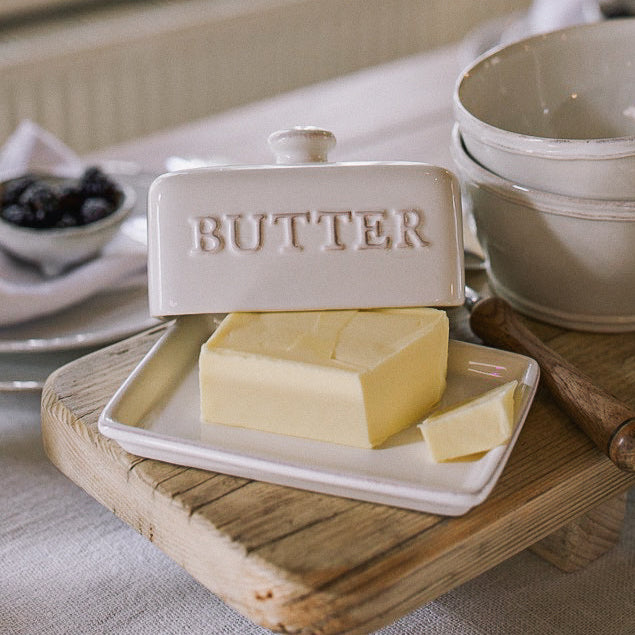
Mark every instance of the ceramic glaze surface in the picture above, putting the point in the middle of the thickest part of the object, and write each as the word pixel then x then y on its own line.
pixel 556 111
pixel 306 236
pixel 564 260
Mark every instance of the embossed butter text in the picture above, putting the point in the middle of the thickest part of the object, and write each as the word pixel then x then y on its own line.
pixel 324 230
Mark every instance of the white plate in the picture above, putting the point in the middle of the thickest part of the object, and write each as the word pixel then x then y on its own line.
pixel 155 414
pixel 30 352
pixel 100 319
pixel 21 372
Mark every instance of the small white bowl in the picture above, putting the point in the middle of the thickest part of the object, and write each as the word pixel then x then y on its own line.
pixel 56 249
pixel 556 112
pixel 567 261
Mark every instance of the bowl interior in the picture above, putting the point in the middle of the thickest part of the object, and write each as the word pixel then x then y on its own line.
pixel 578 83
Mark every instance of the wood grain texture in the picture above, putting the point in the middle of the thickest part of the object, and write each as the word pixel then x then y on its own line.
pixel 585 539
pixel 297 561
pixel 609 422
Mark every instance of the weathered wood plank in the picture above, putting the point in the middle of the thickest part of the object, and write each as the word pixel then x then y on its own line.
pixel 582 541
pixel 290 559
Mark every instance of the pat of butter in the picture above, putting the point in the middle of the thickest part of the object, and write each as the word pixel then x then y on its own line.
pixel 349 377
pixel 476 425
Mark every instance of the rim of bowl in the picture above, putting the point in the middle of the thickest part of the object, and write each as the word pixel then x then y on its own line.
pixel 606 147
pixel 542 201
pixel 125 207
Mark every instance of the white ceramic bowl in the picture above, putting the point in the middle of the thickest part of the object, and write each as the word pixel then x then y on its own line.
pixel 556 112
pixel 564 260
pixel 54 250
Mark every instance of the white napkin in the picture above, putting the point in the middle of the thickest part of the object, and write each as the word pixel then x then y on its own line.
pixel 32 149
pixel 25 293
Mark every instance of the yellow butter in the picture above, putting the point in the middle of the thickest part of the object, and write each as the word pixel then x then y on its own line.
pixel 349 377
pixel 476 425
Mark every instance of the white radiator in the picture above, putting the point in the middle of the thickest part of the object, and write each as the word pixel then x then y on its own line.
pixel 134 68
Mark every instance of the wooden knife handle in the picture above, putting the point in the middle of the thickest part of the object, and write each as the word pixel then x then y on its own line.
pixel 609 422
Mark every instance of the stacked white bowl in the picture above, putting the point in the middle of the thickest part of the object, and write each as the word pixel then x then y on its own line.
pixel 544 145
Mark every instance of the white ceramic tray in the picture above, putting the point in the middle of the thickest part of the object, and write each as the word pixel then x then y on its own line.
pixel 155 414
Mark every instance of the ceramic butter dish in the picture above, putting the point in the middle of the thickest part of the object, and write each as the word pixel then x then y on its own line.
pixel 304 234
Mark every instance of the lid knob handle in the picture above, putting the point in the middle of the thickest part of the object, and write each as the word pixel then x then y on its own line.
pixel 301 144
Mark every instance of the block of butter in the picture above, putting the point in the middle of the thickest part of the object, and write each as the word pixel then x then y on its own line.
pixel 351 377
pixel 476 425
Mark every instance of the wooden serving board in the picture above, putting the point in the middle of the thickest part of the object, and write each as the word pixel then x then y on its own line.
pixel 293 560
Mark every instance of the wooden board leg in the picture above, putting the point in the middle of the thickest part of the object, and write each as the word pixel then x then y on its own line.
pixel 586 538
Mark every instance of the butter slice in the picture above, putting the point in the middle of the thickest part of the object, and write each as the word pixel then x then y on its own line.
pixel 476 425
pixel 349 377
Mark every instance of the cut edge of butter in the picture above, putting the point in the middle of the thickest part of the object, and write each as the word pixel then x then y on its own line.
pixel 473 426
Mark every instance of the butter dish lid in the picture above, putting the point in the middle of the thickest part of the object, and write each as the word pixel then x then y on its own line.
pixel 304 234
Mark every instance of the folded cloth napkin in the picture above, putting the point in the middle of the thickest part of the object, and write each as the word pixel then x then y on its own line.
pixel 33 149
pixel 25 293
